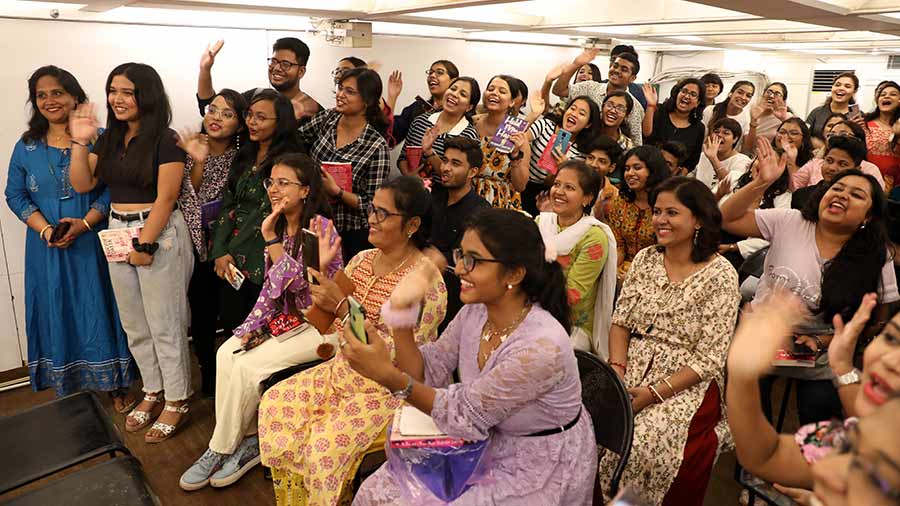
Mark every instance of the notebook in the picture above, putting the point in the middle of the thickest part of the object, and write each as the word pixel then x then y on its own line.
pixel 412 428
pixel 342 172
pixel 116 243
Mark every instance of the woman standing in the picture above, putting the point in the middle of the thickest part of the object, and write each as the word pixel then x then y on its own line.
pixel 351 134
pixel 679 118
pixel 316 426
pixel 630 214
pixel 209 159
pixel 69 348
pixel 671 328
pixel 881 127
pixel 237 242
pixel 734 106
pixel 843 93
pixel 429 131
pixel 519 382
pixel 767 115
pixel 503 175
pixel 138 159
pixel 438 77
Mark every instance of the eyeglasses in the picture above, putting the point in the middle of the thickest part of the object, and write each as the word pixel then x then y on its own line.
pixel 337 72
pixel 350 92
pixel 848 444
pixel 257 117
pixel 468 262
pixel 438 72
pixel 280 182
pixel 688 93
pixel 616 107
pixel 379 213
pixel 215 112
pixel 283 64
pixel 773 94
pixel 791 133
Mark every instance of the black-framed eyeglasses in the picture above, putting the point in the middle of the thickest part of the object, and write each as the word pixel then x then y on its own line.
pixel 437 72
pixel 338 72
pixel 773 93
pixel 283 64
pixel 280 182
pixel 379 213
pixel 467 261
pixel 215 112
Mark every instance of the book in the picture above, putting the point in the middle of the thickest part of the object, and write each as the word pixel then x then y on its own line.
pixel 414 156
pixel 209 212
pixel 412 428
pixel 510 126
pixel 116 243
pixel 342 172
pixel 791 358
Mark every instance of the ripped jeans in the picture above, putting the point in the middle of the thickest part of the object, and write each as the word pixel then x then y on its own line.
pixel 153 308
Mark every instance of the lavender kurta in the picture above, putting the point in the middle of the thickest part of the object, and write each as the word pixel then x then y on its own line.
pixel 529 384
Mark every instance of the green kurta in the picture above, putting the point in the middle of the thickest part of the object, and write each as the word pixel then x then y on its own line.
pixel 236 232
pixel 582 268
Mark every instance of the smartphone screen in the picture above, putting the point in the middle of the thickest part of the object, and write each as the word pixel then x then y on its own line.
pixel 854 110
pixel 310 252
pixel 357 320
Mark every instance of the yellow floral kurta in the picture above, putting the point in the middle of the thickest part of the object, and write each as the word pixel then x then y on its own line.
pixel 315 427
pixel 673 325
pixel 493 182
pixel 632 226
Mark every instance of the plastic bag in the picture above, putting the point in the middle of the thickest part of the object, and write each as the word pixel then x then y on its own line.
pixel 438 475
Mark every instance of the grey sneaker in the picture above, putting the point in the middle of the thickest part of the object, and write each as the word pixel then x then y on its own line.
pixel 197 476
pixel 245 458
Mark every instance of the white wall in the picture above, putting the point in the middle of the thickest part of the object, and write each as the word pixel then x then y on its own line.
pixel 91 50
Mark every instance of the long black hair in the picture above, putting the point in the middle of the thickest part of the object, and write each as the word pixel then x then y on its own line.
pixel 624 127
pixel 696 114
pixel 38 124
pixel 284 140
pixel 856 269
pixel 514 239
pixel 369 84
pixel 237 102
pixel 805 151
pixel 154 114
pixel 656 166
pixel 595 123
pixel 720 110
pixel 697 197
pixel 595 74
pixel 474 94
pixel 412 200
pixel 309 174
pixel 875 112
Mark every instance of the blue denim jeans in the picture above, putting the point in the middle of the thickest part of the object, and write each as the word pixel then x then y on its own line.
pixel 153 307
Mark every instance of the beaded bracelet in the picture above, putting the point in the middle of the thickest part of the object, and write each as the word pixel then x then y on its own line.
pixel 406 318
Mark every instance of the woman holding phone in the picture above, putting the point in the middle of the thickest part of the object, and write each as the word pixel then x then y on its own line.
pixel 295 192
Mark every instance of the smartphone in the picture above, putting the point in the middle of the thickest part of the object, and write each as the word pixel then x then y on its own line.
pixel 854 111
pixel 563 138
pixel 310 254
pixel 237 277
pixel 357 319
pixel 60 231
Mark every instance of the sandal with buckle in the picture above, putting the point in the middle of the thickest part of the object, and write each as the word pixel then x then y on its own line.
pixel 166 429
pixel 142 418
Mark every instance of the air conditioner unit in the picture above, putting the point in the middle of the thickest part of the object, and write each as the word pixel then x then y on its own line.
pixel 343 33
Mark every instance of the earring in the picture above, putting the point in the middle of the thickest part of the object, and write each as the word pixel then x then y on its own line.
pixel 509 286
pixel 409 235
pixel 696 235
pixel 863 226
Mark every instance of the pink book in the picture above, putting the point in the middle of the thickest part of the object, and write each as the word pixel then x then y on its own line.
pixel 116 243
pixel 413 429
pixel 342 172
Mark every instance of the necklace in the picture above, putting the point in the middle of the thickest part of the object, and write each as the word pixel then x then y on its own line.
pixel 488 332
pixel 375 278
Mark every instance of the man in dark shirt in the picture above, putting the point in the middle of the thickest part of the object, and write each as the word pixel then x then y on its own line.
pixel 453 204
pixel 286 67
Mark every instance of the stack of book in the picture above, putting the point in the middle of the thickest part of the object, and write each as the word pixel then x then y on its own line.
pixel 413 429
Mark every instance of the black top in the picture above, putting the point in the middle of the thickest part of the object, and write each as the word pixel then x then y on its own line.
pixel 122 170
pixel 691 137
pixel 801 196
pixel 403 121
pixel 448 222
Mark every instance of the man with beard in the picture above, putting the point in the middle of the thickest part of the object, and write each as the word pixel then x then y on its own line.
pixel 286 67
pixel 453 204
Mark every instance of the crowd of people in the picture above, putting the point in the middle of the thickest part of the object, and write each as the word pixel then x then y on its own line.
pixel 677 241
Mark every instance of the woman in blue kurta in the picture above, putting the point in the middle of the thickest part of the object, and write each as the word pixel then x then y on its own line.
pixel 75 340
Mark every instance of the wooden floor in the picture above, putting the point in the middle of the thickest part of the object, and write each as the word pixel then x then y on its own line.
pixel 165 462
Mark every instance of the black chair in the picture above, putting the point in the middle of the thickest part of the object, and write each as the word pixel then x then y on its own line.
pixel 54 436
pixel 116 482
pixel 605 397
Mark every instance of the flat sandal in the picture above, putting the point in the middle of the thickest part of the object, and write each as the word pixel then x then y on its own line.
pixel 166 429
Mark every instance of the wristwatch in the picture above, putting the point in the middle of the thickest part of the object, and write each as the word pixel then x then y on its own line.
pixel 406 392
pixel 849 378
pixel 148 248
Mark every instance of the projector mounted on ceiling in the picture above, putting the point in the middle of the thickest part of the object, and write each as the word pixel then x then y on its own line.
pixel 343 33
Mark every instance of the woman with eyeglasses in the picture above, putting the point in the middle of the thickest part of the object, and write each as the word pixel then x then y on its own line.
pixel 842 96
pixel 854 462
pixel 615 110
pixel 679 119
pixel 316 427
pixel 438 78
pixel 882 127
pixel 209 156
pixel 766 116
pixel 237 242
pixel 388 102
pixel 793 137
pixel 348 141
pixel 75 339
pixel 251 355
pixel 137 158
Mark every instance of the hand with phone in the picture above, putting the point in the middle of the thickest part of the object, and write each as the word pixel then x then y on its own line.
pixel 372 359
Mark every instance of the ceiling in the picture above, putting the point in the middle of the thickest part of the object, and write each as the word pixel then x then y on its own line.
pixel 806 26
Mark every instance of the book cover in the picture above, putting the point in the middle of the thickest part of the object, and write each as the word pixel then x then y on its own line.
pixel 209 212
pixel 510 126
pixel 116 243
pixel 558 141
pixel 790 358
pixel 413 429
pixel 342 172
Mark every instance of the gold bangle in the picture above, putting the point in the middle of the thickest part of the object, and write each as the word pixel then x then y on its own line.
pixel 666 381
pixel 653 391
pixel 41 235
pixel 337 308
pixel 86 224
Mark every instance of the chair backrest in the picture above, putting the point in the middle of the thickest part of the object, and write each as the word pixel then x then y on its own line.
pixel 606 399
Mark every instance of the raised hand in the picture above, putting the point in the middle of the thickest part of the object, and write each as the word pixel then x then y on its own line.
pixel 209 56
pixel 762 332
pixel 428 139
pixel 395 85
pixel 412 288
pixel 586 56
pixel 650 95
pixel 537 104
pixel 268 224
pixel 769 165
pixel 554 73
pixel 329 241
pixel 711 147
pixel 840 351
pixel 759 110
pixel 83 123
pixel 195 144
pixel 790 150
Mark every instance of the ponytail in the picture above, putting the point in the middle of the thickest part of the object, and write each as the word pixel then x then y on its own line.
pixel 548 288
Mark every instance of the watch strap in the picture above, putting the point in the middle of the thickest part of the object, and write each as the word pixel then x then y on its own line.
pixel 406 392
pixel 848 378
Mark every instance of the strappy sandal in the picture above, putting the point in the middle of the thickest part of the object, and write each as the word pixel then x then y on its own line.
pixel 166 429
pixel 123 403
pixel 141 418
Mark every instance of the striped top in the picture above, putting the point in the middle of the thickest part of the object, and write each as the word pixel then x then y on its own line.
pixel 421 124
pixel 542 131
